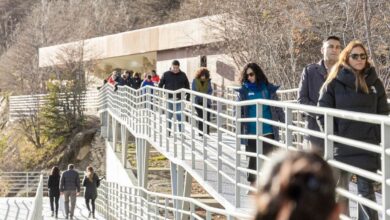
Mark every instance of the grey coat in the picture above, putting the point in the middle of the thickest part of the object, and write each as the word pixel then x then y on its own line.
pixel 312 78
pixel 91 187
pixel 70 181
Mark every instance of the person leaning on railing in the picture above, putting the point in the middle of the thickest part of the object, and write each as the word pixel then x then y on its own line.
pixel 354 85
pixel 297 186
pixel 255 85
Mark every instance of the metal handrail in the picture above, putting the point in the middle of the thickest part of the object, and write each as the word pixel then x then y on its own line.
pixel 143 113
pixel 26 105
pixel 131 202
pixel 36 210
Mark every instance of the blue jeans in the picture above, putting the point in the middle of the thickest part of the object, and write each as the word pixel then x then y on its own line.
pixel 177 113
pixel 366 189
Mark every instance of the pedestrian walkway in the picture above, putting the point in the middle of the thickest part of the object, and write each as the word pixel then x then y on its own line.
pixel 18 208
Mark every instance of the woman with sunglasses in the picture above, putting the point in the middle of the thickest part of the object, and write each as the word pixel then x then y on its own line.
pixel 255 85
pixel 354 85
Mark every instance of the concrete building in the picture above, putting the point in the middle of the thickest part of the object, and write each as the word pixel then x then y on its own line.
pixel 193 42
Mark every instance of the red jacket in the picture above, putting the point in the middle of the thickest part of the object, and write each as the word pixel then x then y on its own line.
pixel 155 79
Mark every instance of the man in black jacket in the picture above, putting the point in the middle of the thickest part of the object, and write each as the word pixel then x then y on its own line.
pixel 312 79
pixel 174 79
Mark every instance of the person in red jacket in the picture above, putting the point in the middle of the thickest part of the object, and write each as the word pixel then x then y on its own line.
pixel 155 77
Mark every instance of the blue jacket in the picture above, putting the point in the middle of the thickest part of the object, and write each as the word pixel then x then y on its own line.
pixel 277 114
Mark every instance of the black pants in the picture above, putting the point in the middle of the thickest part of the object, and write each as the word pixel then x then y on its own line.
pixel 251 147
pixel 199 111
pixel 54 201
pixel 93 204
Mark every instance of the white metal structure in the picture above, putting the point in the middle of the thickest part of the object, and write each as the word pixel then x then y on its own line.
pixel 26 105
pixel 36 211
pixel 218 160
pixel 124 202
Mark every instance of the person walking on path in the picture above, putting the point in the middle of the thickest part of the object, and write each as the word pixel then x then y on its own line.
pixel 174 79
pixel 53 184
pixel 312 79
pixel 353 85
pixel 255 85
pixel 202 84
pixel 91 182
pixel 70 188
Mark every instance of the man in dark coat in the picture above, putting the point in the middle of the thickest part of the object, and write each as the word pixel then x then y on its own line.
pixel 70 188
pixel 312 79
pixel 174 79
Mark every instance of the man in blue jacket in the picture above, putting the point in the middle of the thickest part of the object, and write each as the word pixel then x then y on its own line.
pixel 312 79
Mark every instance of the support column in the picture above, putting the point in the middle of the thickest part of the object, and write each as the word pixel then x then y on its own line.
pixel 142 151
pixel 125 143
pixel 114 134
pixel 109 127
pixel 186 193
pixel 177 176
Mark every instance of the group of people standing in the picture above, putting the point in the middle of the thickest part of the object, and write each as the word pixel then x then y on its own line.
pixel 68 185
pixel 132 79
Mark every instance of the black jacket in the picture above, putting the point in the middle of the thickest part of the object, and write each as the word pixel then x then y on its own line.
pixel 172 81
pixel 91 187
pixel 54 185
pixel 341 94
pixel 135 83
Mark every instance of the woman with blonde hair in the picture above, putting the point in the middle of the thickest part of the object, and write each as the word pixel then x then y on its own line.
pixel 91 182
pixel 354 85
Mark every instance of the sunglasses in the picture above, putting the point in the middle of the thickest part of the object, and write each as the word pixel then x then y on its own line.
pixel 356 56
pixel 250 74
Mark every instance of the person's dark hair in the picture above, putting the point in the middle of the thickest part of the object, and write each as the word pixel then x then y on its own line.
pixel 260 76
pixel 332 37
pixel 202 71
pixel 136 74
pixel 70 167
pixel 298 184
pixel 154 72
pixel 129 72
pixel 175 63
pixel 55 171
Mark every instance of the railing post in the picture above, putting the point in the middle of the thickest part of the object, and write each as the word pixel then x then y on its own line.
pixel 27 183
pixel 288 121
pixel 237 189
pixel 328 129
pixel 125 139
pixel 193 124
pixel 259 143
pixel 182 124
pixel 174 124
pixel 219 146
pixel 385 134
